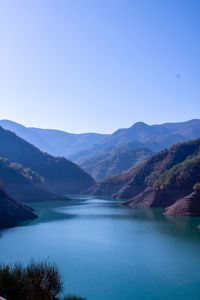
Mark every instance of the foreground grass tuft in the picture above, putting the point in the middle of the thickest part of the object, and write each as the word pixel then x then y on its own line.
pixel 38 280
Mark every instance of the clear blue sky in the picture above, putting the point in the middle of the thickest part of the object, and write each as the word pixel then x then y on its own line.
pixel 88 65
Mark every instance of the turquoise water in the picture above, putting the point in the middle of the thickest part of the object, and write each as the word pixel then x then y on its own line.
pixel 109 252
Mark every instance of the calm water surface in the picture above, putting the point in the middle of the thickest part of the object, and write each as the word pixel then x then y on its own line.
pixel 109 252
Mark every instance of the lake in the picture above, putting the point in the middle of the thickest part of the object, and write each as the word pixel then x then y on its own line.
pixel 109 252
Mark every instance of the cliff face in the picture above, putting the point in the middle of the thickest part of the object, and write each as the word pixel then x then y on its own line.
pixel 186 206
pixel 12 212
pixel 156 198
pixel 176 168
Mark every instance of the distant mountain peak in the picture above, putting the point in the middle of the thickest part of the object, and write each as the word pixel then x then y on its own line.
pixel 140 124
pixel 55 142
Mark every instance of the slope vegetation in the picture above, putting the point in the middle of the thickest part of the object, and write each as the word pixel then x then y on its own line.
pixel 115 163
pixel 24 184
pixel 160 181
pixel 155 137
pixel 60 175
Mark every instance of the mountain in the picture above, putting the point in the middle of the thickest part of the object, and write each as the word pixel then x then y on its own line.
pixel 114 162
pixel 12 212
pixel 81 146
pixel 155 137
pixel 54 142
pixel 60 175
pixel 24 184
pixel 186 206
pixel 80 159
pixel 158 182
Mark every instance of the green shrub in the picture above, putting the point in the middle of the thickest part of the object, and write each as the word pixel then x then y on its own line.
pixel 182 175
pixel 196 187
pixel 38 280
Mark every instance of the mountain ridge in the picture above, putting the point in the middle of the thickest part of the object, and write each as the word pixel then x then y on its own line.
pixel 60 175
pixel 156 137
pixel 61 143
pixel 55 142
pixel 160 181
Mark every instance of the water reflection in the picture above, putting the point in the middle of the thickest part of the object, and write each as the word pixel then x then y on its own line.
pixel 110 250
pixel 100 208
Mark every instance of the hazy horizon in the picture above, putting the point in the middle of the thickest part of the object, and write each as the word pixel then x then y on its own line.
pixel 52 128
pixel 96 66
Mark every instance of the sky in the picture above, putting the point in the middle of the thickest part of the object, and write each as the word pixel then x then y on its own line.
pixel 99 65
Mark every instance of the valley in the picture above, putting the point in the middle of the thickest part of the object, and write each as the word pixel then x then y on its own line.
pixel 118 205
pixel 132 244
pixel 124 170
pixel 99 150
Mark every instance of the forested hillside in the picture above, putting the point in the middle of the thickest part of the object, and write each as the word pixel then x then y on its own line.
pixel 12 212
pixel 160 181
pixel 115 162
pixel 55 142
pixel 155 137
pixel 24 184
pixel 60 175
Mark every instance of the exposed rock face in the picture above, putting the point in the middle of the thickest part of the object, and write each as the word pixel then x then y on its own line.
pixel 160 181
pixel 144 199
pixel 12 212
pixel 153 198
pixel 187 206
